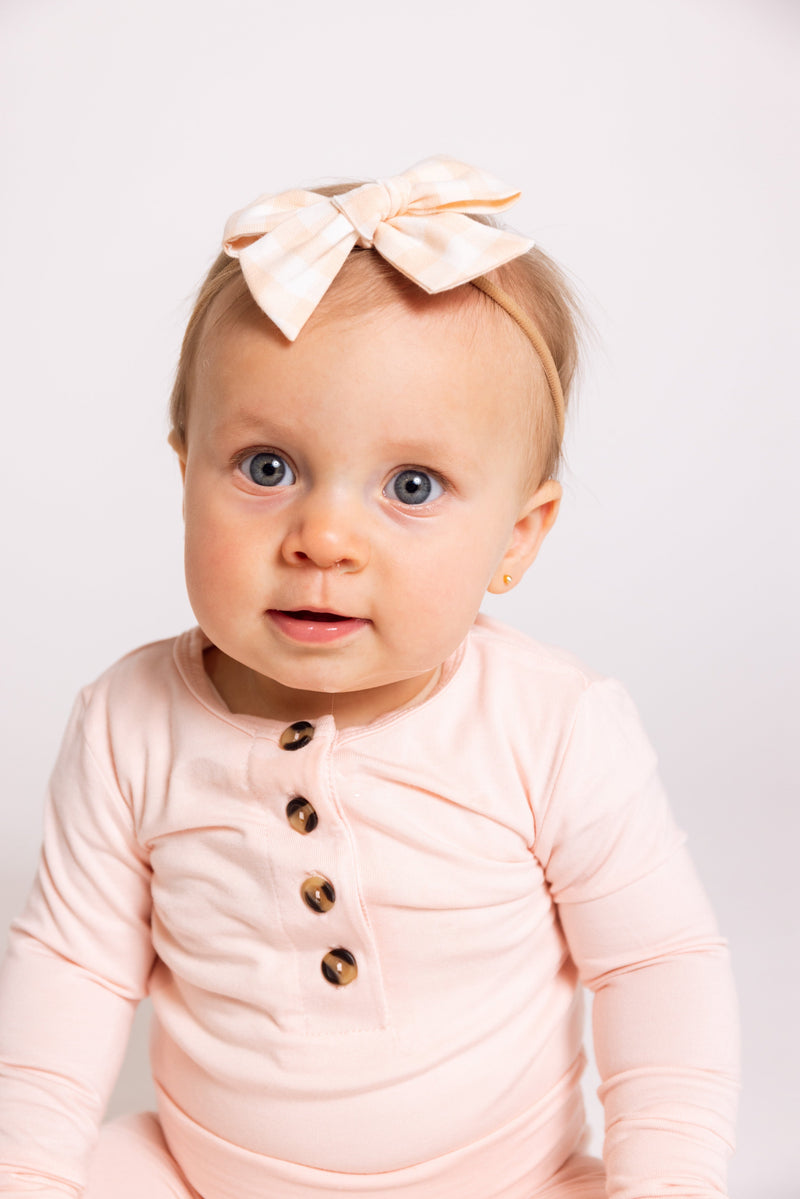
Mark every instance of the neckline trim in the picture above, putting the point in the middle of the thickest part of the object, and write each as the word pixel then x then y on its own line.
pixel 187 653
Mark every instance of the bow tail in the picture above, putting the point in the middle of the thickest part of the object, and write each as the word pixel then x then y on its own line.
pixel 289 272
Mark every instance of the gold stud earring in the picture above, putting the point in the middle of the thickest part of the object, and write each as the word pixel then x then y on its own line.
pixel 507 579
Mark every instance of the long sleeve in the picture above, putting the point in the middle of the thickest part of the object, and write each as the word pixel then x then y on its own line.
pixel 77 964
pixel 645 941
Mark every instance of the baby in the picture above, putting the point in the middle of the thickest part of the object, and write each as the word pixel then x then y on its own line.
pixel 360 845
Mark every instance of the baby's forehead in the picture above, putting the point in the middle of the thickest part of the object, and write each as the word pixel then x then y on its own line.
pixel 369 290
pixel 464 323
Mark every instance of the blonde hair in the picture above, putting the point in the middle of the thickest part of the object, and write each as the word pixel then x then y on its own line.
pixel 536 283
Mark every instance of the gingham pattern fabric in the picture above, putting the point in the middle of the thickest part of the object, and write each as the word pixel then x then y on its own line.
pixel 292 245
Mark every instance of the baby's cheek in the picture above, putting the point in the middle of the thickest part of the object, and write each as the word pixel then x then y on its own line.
pixel 213 566
pixel 436 613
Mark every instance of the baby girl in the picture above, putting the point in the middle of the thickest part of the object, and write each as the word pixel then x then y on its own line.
pixel 362 846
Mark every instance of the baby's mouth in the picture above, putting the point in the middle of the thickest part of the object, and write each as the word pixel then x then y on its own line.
pixel 316 628
pixel 322 617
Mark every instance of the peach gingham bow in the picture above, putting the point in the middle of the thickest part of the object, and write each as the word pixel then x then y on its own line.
pixel 291 246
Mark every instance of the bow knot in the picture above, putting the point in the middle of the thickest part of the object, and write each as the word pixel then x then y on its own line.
pixel 291 246
pixel 368 206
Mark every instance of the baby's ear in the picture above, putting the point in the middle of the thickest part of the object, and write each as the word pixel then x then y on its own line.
pixel 536 519
pixel 178 444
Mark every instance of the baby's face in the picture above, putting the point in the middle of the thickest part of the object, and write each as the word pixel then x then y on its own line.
pixel 348 500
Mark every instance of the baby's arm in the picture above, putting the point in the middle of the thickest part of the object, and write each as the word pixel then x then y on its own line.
pixel 644 938
pixel 77 964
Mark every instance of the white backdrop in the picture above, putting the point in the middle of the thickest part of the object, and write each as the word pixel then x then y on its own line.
pixel 656 145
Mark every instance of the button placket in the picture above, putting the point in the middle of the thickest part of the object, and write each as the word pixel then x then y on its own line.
pixel 327 931
pixel 338 965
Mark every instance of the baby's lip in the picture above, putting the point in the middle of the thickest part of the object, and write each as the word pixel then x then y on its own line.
pixel 319 614
pixel 315 626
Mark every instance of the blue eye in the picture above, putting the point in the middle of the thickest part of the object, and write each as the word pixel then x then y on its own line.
pixel 267 470
pixel 414 487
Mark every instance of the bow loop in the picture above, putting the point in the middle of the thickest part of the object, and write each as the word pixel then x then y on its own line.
pixel 292 246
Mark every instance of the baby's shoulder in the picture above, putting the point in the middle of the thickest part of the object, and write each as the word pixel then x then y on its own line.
pixel 138 690
pixel 527 663
pixel 539 691
pixel 522 686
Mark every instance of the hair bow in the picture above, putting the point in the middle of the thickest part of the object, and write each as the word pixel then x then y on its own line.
pixel 291 246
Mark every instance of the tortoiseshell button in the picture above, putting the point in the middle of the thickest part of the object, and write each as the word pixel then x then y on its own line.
pixel 318 893
pixel 339 967
pixel 297 735
pixel 301 815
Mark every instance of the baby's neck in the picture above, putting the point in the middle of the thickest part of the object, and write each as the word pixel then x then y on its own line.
pixel 245 692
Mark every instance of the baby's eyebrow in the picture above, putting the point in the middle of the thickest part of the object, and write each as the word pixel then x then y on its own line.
pixel 423 453
pixel 245 421
pixel 281 421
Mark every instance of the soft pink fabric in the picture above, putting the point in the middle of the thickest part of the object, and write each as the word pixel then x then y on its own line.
pixel 489 848
pixel 132 1161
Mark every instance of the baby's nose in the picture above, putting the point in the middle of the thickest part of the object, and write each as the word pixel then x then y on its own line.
pixel 328 534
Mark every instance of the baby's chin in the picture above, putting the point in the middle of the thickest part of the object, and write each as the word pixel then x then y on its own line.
pixel 348 704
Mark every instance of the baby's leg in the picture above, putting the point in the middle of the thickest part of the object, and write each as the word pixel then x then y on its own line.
pixel 581 1177
pixel 132 1161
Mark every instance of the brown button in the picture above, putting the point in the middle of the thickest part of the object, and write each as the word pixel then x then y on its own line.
pixel 297 735
pixel 318 893
pixel 301 815
pixel 339 967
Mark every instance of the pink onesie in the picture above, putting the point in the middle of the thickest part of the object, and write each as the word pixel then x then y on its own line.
pixel 364 947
